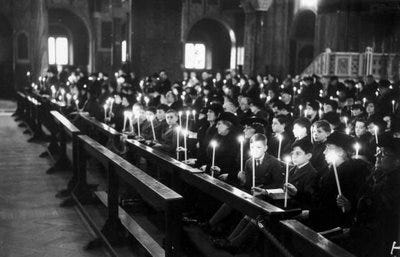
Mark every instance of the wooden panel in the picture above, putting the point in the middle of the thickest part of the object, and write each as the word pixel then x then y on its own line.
pixel 67 124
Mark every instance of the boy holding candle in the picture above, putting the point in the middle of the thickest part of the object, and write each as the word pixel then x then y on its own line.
pixel 303 176
pixel 320 132
pixel 167 141
pixel 345 174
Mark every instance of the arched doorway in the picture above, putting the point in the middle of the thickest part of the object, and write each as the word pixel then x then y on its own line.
pixel 64 23
pixel 6 58
pixel 302 41
pixel 219 42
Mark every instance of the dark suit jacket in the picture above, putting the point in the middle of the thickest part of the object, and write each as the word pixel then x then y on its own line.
pixel 269 174
pixel 304 179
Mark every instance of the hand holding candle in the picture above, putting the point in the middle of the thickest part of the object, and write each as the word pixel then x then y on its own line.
pixel 187 119
pixel 332 158
pixel 213 145
pixel 178 130
pixel 280 138
pixel 357 147
pixel 241 140
pixel 287 161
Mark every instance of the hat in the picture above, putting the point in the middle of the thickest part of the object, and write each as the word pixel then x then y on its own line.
pixel 216 108
pixel 313 104
pixel 228 116
pixel 384 83
pixel 287 90
pixel 341 140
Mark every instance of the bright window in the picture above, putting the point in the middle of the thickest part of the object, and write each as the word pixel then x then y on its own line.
pixel 309 4
pixel 123 51
pixel 195 56
pixel 58 50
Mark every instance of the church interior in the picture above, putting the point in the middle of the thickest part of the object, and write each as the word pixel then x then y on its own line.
pixel 200 128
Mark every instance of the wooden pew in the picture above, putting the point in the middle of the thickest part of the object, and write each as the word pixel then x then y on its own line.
pixel 306 242
pixel 291 233
pixel 152 191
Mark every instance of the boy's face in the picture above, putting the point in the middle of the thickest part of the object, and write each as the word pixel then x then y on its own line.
pixel 160 115
pixel 319 135
pixel 257 149
pixel 171 118
pixel 360 129
pixel 299 131
pixel 248 132
pixel 299 157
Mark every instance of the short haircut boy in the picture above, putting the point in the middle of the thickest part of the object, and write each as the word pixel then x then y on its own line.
pixel 304 145
pixel 259 138
pixel 323 124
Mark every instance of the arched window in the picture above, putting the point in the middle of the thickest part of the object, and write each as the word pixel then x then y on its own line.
pixel 22 47
pixel 58 50
pixel 195 56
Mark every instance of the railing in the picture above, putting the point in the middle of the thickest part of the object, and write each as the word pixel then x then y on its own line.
pixel 152 191
pixel 347 65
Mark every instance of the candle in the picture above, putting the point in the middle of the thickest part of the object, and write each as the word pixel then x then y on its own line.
pixel 253 175
pixel 376 134
pixel 357 147
pixel 138 123
pixel 213 145
pixel 241 140
pixel 146 100
pixel 321 93
pixel 105 112
pixel 178 130
pixel 333 158
pixel 300 109
pixel 69 99
pixel 111 106
pixel 287 160
pixel 152 127
pixel 280 137
pixel 205 101
pixel 187 119
pixel 364 101
pixel 180 118
pixel 184 132
pixel 194 115
pixel 345 120
pixel 347 131
pixel 126 114
pixel 393 106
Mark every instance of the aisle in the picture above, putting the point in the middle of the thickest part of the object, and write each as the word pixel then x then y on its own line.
pixel 31 222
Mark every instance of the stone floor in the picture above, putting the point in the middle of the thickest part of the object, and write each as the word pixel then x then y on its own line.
pixel 31 222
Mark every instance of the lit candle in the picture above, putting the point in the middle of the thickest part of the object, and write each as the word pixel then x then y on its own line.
pixel 357 147
pixel 146 100
pixel 213 145
pixel 345 120
pixel 194 115
pixel 69 97
pixel 187 119
pixel 333 158
pixel 126 114
pixel 105 111
pixel 393 106
pixel 184 133
pixel 241 140
pixel 347 131
pixel 280 137
pixel 321 93
pixel 205 101
pixel 180 118
pixel 300 109
pixel 111 105
pixel 376 134
pixel 287 160
pixel 253 175
pixel 364 101
pixel 138 123
pixel 178 130
pixel 152 127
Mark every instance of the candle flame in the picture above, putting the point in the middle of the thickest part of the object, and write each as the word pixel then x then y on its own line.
pixel 213 143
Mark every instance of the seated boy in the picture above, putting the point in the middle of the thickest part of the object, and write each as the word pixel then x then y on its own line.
pixel 167 141
pixel 320 132
pixel 303 177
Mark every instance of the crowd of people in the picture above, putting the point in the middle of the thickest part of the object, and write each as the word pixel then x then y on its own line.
pixel 340 142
